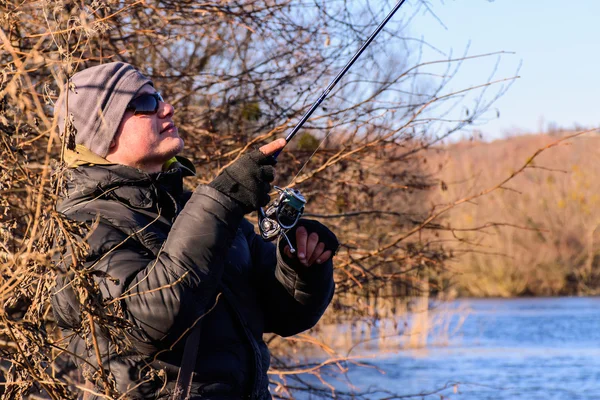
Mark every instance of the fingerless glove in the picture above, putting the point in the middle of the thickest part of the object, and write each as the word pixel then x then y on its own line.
pixel 248 180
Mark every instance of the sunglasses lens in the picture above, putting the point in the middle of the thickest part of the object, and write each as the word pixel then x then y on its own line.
pixel 145 104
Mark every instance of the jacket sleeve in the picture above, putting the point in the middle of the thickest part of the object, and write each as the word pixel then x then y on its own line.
pixel 163 294
pixel 293 296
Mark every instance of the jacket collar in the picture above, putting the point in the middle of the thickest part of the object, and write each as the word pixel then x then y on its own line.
pixel 81 155
pixel 93 177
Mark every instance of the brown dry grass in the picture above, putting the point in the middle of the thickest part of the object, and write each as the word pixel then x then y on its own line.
pixel 549 242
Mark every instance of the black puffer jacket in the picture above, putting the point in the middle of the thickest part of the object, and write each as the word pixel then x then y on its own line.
pixel 173 255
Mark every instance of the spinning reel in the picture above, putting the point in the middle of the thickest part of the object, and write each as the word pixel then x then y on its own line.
pixel 281 215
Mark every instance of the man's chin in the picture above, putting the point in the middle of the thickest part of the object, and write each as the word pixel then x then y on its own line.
pixel 174 149
pixel 179 148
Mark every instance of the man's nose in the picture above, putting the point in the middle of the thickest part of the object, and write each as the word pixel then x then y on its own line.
pixel 165 110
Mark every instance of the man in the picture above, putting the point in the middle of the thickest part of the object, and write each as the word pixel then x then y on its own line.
pixel 172 259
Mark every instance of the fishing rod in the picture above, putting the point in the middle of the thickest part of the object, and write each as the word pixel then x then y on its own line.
pixel 286 210
pixel 339 76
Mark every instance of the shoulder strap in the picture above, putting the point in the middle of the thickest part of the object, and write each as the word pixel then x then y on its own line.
pixel 188 362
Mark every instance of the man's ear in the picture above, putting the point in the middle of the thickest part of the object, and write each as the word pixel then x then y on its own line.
pixel 113 143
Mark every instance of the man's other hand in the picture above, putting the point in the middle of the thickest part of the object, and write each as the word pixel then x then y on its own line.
pixel 313 241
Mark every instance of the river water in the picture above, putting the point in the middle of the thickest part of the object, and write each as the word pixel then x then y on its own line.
pixel 538 348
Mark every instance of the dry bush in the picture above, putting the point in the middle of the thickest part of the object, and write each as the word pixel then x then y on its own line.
pixel 239 73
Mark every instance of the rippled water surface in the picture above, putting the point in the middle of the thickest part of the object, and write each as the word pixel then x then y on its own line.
pixel 505 349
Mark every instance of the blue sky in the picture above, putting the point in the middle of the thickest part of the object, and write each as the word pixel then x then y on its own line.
pixel 555 42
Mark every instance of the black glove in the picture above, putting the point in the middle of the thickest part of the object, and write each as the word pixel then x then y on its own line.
pixel 247 180
pixel 325 235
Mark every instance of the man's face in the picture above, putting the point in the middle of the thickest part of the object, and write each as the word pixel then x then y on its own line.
pixel 146 141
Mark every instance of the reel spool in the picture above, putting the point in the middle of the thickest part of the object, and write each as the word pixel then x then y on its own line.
pixel 283 214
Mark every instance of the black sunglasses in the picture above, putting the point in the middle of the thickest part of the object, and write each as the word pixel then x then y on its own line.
pixel 146 104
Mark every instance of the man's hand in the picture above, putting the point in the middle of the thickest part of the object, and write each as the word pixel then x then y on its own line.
pixel 248 180
pixel 308 248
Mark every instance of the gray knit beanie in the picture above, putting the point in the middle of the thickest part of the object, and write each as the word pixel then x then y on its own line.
pixel 97 99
